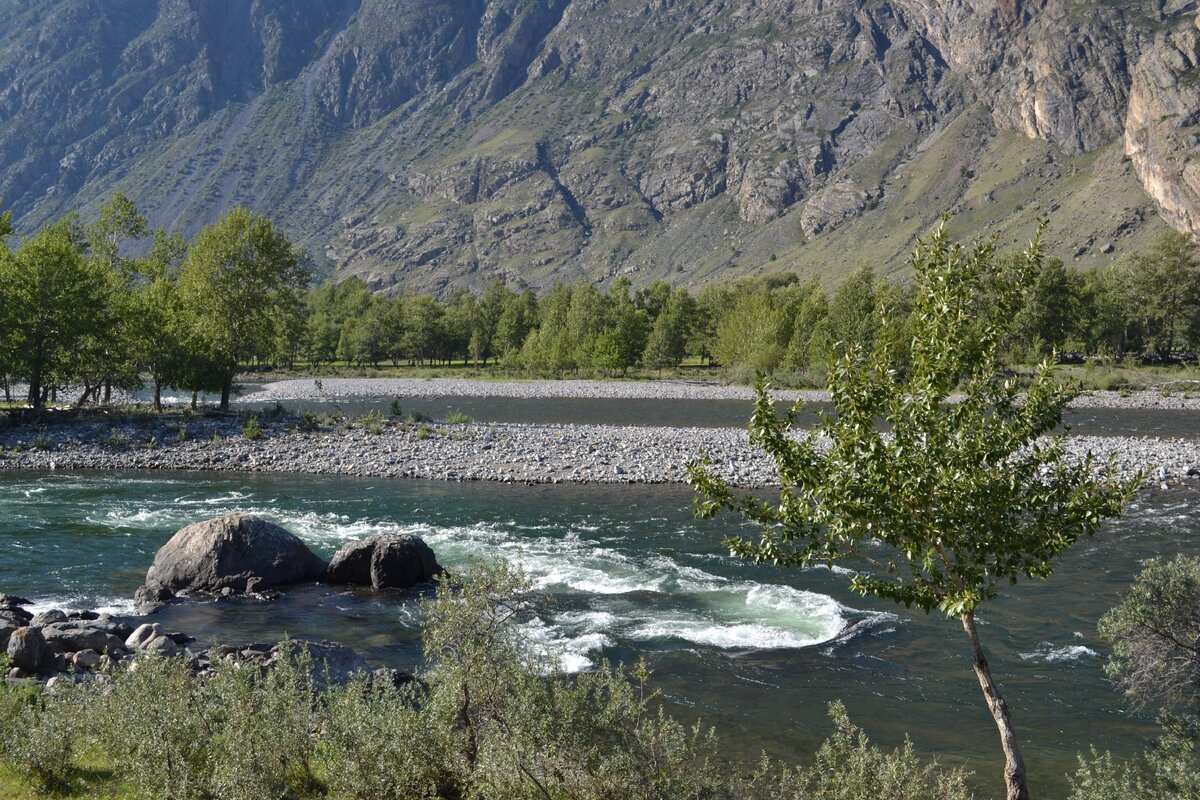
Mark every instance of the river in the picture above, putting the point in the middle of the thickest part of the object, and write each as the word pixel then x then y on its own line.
pixel 757 651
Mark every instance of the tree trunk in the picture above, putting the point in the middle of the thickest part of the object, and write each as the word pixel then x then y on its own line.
pixel 1014 763
pixel 107 391
pixel 157 394
pixel 194 394
pixel 225 387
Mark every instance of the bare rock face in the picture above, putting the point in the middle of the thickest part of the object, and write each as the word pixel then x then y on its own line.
pixel 236 552
pixel 391 561
pixel 832 205
pixel 1162 128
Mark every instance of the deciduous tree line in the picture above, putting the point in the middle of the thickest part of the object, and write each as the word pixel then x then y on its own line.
pixel 1145 304
pixel 98 305
pixel 103 304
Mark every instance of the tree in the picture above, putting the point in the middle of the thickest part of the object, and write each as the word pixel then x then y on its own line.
pixel 961 496
pixel 240 276
pixel 1164 286
pixel 54 296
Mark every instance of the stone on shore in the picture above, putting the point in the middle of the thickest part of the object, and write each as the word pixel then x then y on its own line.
pixel 389 561
pixel 71 636
pixel 151 638
pixel 239 552
pixel 27 650
pixel 331 662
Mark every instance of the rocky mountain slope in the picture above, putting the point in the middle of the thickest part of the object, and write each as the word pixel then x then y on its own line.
pixel 436 143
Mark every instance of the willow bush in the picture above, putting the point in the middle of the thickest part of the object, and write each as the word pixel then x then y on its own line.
pixel 489 718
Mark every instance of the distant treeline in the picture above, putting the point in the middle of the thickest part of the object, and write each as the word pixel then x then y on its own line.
pixel 80 307
pixel 1148 304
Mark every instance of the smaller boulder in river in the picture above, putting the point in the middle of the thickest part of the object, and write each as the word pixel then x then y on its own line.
pixel 390 561
pixel 238 552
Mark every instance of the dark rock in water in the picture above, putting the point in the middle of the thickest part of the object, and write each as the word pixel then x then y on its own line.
pixel 72 636
pixel 48 618
pixel 13 615
pixel 236 552
pixel 151 598
pixel 12 601
pixel 332 662
pixel 27 649
pixel 390 561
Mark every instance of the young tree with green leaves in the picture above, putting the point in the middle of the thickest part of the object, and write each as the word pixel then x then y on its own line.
pixel 969 489
pixel 55 296
pixel 240 276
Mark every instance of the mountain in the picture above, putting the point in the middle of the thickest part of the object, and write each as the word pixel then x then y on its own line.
pixel 439 143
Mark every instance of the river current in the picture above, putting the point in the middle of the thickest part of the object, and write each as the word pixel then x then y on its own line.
pixel 757 651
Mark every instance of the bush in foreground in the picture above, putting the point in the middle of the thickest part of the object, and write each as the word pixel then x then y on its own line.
pixel 488 718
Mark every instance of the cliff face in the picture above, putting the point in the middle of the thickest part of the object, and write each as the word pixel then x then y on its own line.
pixel 445 142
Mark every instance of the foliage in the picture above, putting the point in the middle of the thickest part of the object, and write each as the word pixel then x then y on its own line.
pixel 962 491
pixel 849 767
pixel 962 494
pixel 1168 771
pixel 252 430
pixel 457 417
pixel 372 422
pixel 238 284
pixel 1155 634
pixel 37 732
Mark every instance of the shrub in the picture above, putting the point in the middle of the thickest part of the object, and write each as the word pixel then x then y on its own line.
pixel 117 440
pixel 252 430
pixel 156 727
pixel 457 417
pixel 849 766
pixel 396 411
pixel 372 422
pixel 38 732
pixel 376 745
pixel 308 421
pixel 266 724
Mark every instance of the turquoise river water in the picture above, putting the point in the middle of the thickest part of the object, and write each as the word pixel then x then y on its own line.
pixel 757 651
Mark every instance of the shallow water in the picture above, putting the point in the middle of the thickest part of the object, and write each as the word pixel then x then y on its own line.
pixel 756 650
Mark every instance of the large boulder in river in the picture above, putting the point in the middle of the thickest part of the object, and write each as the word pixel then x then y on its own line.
pixel 389 561
pixel 237 552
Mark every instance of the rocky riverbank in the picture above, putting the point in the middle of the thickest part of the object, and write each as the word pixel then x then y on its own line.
pixel 391 448
pixel 310 389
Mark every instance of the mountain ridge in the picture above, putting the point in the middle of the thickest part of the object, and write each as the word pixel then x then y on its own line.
pixel 432 144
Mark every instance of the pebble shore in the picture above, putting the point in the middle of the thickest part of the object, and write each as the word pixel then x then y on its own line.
pixel 507 452
pixel 348 388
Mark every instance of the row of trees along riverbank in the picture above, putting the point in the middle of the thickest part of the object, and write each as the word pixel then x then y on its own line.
pixel 79 309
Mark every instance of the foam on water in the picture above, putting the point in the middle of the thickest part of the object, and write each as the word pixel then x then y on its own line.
pixel 604 595
pixel 1048 653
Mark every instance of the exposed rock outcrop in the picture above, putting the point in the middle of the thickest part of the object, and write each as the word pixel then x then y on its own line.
pixel 1162 129
pixel 439 143
pixel 832 205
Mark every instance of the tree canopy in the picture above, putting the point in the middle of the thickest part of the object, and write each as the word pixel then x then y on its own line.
pixel 932 453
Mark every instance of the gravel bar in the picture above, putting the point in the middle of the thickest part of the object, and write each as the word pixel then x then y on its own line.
pixel 508 452
pixel 346 388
